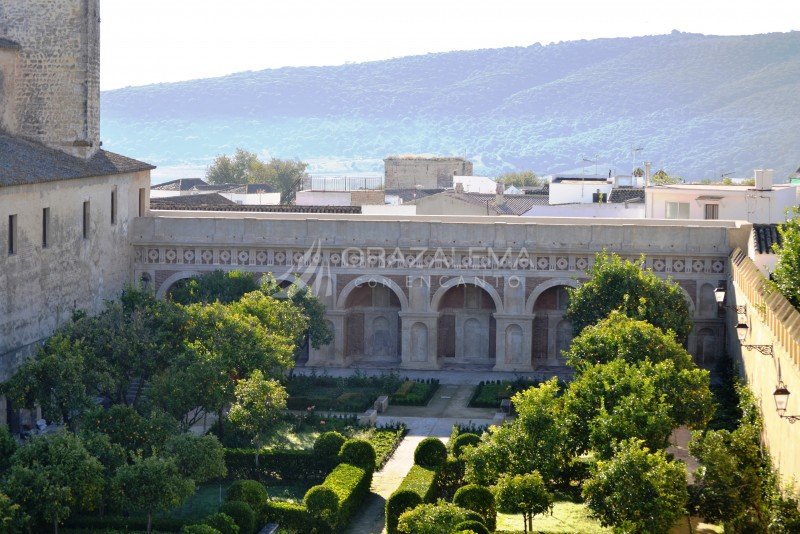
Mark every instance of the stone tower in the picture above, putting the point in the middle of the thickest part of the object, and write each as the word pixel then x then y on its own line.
pixel 50 73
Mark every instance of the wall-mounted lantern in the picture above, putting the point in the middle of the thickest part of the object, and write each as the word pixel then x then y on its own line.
pixel 781 396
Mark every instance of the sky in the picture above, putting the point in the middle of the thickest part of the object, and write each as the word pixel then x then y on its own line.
pixel 155 41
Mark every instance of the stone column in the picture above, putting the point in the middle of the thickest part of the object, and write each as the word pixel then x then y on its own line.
pixel 331 355
pixel 513 338
pixel 419 334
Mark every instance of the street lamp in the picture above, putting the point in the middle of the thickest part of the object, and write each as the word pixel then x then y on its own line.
pixel 741 329
pixel 781 396
pixel 719 295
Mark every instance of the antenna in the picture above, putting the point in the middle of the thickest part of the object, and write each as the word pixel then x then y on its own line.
pixel 634 150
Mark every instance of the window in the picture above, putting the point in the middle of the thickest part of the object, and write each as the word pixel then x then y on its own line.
pixel 114 206
pixel 142 199
pixel 45 227
pixel 12 234
pixel 712 212
pixel 677 210
pixel 86 220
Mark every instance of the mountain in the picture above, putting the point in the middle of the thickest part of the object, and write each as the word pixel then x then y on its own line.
pixel 698 105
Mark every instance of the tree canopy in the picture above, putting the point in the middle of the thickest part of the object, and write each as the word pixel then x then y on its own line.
pixel 520 179
pixel 787 271
pixel 625 286
pixel 246 167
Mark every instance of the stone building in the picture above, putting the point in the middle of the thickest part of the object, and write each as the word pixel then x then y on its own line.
pixel 410 172
pixel 66 205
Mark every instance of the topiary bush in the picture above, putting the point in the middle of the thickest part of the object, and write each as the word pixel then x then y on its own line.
pixel 430 452
pixel 358 452
pixel 472 526
pixel 242 513
pixel 251 492
pixel 222 522
pixel 479 499
pixel 328 444
pixel 464 440
pixel 323 504
pixel 399 502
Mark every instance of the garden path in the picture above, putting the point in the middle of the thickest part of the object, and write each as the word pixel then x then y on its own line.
pixel 447 408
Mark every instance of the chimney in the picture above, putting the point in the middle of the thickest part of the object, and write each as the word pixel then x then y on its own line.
pixel 500 197
pixel 763 179
pixel 647 168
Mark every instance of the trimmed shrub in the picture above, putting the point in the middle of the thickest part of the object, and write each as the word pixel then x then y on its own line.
pixel 322 503
pixel 420 481
pixel 472 526
pixel 439 518
pixel 464 440
pixel 474 516
pixel 351 485
pixel 328 444
pixel 431 452
pixel 199 529
pixel 479 499
pixel 222 522
pixel 242 513
pixel 399 502
pixel 291 516
pixel 251 492
pixel 105 523
pixel 358 452
pixel 450 477
pixel 287 466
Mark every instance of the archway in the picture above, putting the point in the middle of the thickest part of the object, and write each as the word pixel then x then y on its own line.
pixel 552 334
pixel 173 279
pixel 706 353
pixel 372 324
pixel 707 302
pixel 466 323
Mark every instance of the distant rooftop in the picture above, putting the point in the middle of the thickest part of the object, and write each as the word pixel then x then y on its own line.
pixel 216 202
pixel 183 184
pixel 9 44
pixel 429 158
pixel 410 194
pixel 511 204
pixel 625 194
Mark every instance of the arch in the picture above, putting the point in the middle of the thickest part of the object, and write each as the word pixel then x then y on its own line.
pixel 167 284
pixel 707 302
pixel 366 279
pixel 291 278
pixel 544 286
pixel 470 280
pixel 688 298
pixel 707 348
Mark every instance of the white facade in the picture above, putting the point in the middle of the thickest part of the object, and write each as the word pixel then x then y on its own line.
pixel 571 192
pixel 389 209
pixel 476 184
pixel 323 198
pixel 254 199
pixel 729 202
pixel 604 210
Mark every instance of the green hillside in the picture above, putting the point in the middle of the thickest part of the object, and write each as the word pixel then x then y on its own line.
pixel 699 105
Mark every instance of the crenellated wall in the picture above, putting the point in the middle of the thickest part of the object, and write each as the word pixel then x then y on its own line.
pixel 773 322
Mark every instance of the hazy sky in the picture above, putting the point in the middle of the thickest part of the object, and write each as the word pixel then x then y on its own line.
pixel 151 41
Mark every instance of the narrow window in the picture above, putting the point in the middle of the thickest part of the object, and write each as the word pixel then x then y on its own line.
pixel 142 198
pixel 114 206
pixel 45 227
pixel 86 220
pixel 712 211
pixel 12 234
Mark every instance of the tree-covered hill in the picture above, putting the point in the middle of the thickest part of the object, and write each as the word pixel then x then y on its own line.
pixel 699 105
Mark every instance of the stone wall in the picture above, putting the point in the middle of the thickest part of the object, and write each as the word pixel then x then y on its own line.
pixel 57 93
pixel 41 286
pixel 772 322
pixel 426 173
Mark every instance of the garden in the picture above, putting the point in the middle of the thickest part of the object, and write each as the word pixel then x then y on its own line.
pixel 355 393
pixel 489 394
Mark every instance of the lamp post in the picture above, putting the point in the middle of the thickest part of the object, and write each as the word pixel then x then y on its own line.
pixel 781 396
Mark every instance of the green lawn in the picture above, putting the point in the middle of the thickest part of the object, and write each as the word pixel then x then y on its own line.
pixel 568 517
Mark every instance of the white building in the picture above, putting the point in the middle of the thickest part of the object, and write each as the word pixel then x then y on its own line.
pixel 475 184
pixel 765 203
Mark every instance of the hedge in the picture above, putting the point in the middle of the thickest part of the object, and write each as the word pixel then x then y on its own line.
pixel 349 483
pixel 290 516
pixel 109 522
pixel 288 465
pixel 358 452
pixel 243 514
pixel 464 440
pixel 419 481
pixel 222 522
pixel 472 526
pixel 251 492
pixel 328 444
pixel 479 499
pixel 449 477
pixel 414 393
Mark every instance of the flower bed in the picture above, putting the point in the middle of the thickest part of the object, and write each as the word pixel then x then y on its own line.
pixel 490 394
pixel 349 394
pixel 414 393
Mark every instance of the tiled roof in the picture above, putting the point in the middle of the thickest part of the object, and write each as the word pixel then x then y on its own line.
pixel 511 205
pixel 410 194
pixel 169 203
pixel 624 194
pixel 191 202
pixel 764 236
pixel 182 184
pixel 9 44
pixel 251 189
pixel 27 162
